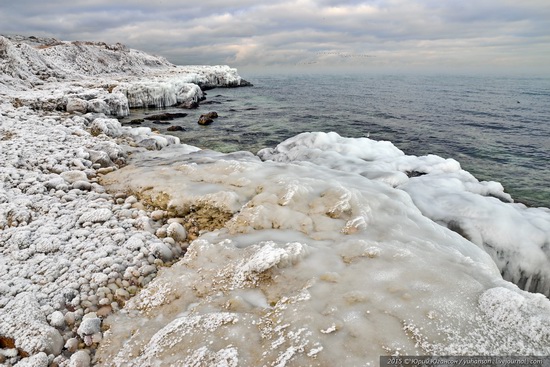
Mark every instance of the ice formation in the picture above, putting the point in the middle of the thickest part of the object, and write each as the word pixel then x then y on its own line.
pixel 517 237
pixel 104 78
pixel 317 265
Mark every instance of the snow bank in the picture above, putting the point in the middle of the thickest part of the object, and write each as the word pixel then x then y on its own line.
pixel 65 243
pixel 312 265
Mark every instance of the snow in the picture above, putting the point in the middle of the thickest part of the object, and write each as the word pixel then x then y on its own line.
pixel 323 250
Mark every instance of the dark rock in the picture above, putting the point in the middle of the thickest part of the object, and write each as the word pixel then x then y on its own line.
pixel 414 173
pixel 189 105
pixel 203 120
pixel 210 115
pixel 175 128
pixel 136 122
pixel 159 122
pixel 166 116
pixel 245 83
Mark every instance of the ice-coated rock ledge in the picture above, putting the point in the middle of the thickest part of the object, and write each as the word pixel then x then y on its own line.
pixel 325 255
pixel 71 253
pixel 48 74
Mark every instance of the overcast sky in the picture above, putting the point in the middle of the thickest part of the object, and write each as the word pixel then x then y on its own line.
pixel 484 35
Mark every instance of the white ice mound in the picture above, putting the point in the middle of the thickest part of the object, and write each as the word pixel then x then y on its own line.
pixel 516 237
pixel 316 266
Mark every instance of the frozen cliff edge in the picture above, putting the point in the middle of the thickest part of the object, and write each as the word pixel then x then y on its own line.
pixel 104 78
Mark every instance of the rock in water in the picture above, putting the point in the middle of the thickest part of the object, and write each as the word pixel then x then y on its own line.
pixel 207 118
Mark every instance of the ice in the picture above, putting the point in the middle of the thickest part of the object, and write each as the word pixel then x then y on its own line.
pixel 65 243
pixel 517 237
pixel 317 264
pixel 160 93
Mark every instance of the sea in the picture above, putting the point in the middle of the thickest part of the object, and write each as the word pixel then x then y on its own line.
pixel 497 127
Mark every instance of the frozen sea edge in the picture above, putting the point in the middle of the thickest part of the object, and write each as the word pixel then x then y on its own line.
pixel 325 251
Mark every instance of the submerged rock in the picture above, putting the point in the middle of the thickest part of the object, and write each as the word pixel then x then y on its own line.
pixel 175 128
pixel 167 116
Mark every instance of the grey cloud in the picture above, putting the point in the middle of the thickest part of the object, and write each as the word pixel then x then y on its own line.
pixel 246 32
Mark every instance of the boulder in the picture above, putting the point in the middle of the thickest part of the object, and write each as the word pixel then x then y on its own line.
pixel 76 105
pixel 212 115
pixel 175 128
pixel 207 118
pixel 98 106
pixel 189 104
pixel 165 116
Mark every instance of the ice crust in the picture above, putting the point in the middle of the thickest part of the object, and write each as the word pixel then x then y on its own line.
pixel 516 237
pixel 322 251
pixel 320 264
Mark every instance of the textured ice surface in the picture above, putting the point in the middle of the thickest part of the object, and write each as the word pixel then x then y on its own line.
pixel 516 237
pixel 335 252
pixel 318 265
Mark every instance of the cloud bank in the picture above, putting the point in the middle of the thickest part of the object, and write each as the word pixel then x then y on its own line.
pixel 296 34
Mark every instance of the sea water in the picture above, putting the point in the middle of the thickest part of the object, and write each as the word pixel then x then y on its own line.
pixel 497 127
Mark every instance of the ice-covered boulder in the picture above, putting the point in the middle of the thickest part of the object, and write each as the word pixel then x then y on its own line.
pixel 109 127
pixel 77 105
pixel 160 92
pixel 29 329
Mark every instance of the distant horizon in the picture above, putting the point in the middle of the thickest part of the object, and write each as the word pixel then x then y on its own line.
pixel 487 36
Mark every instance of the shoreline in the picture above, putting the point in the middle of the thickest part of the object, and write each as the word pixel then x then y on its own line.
pixel 74 253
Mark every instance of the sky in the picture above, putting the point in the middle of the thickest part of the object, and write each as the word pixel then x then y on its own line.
pixel 294 35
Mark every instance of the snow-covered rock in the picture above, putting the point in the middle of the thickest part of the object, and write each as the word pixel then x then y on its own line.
pixel 28 326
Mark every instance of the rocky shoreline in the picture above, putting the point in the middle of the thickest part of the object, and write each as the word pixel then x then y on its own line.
pixel 71 252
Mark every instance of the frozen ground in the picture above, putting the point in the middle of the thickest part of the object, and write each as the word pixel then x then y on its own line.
pixel 70 253
pixel 322 251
